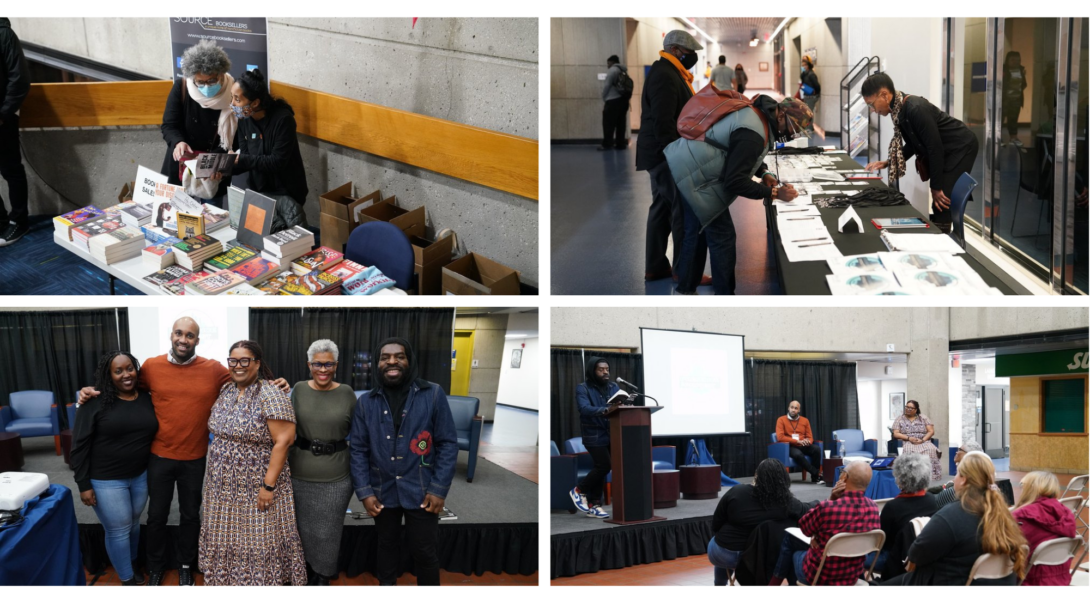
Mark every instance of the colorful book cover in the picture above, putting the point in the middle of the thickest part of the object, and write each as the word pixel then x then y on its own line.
pixel 213 284
pixel 162 247
pixel 177 286
pixel 311 284
pixel 234 256
pixel 171 273
pixel 155 235
pixel 190 225
pixel 214 217
pixel 195 243
pixel 274 285
pixel 345 269
pixel 78 216
pixel 256 268
pixel 319 259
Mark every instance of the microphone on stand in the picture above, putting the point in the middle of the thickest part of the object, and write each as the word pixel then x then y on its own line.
pixel 627 383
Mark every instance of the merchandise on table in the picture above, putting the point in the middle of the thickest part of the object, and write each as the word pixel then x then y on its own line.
pixel 63 224
pixel 119 244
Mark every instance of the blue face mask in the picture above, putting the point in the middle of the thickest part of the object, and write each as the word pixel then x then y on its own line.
pixel 802 69
pixel 210 90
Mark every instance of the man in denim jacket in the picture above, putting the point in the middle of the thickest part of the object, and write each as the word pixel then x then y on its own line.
pixel 591 397
pixel 404 447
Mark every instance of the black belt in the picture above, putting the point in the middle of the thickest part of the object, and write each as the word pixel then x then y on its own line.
pixel 319 447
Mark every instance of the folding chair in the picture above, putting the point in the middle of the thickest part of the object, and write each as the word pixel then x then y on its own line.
pixel 851 545
pixel 1053 553
pixel 992 566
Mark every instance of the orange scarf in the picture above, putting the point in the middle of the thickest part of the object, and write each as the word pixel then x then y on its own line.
pixel 685 74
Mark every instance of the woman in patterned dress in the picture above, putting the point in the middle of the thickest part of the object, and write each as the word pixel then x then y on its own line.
pixel 248 531
pixel 915 431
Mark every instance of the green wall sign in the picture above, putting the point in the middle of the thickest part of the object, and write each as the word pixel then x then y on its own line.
pixel 1047 363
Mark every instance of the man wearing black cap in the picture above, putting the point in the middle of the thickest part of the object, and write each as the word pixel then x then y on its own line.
pixel 669 85
pixel 616 107
pixel 403 429
pixel 591 397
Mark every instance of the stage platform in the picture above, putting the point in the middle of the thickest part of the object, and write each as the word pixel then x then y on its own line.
pixel 580 544
pixel 496 529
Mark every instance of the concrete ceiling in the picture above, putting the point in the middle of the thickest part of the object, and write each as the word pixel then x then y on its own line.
pixel 735 30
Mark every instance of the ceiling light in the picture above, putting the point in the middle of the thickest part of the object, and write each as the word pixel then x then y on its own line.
pixel 753 42
pixel 688 22
pixel 778 27
pixel 515 336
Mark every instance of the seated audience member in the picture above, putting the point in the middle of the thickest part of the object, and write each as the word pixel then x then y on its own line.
pixel 944 494
pixel 846 511
pixel 744 507
pixel 1042 517
pixel 945 551
pixel 794 430
pixel 911 472
pixel 111 445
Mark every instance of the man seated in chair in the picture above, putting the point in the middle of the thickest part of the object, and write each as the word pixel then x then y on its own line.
pixel 847 510
pixel 794 430
pixel 591 397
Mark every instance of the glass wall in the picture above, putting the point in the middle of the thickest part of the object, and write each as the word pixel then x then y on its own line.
pixel 1079 185
pixel 972 88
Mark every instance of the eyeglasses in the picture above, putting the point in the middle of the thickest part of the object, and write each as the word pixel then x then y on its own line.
pixel 909 407
pixel 205 83
pixel 242 361
pixel 323 365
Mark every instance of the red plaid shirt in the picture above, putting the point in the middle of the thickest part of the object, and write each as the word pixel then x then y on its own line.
pixel 851 513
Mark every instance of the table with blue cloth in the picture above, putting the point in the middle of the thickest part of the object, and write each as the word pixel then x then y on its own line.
pixel 882 485
pixel 43 548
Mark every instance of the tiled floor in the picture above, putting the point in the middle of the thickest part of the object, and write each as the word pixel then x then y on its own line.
pixel 696 571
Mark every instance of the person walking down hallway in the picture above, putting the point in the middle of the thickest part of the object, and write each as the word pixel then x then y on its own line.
pixel 809 85
pixel 616 96
pixel 14 87
pixel 669 85
pixel 943 146
pixel 723 75
pixel 740 78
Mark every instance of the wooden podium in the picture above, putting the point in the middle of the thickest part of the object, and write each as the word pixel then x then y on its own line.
pixel 630 452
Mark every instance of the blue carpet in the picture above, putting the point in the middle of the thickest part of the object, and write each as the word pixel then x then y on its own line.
pixel 35 265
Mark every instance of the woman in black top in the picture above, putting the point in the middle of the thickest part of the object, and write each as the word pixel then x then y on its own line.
pixel 912 472
pixel 110 449
pixel 268 148
pixel 809 84
pixel 198 115
pixel 744 507
pixel 944 147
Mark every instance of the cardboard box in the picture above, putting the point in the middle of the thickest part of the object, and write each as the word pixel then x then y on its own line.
pixel 474 274
pixel 338 214
pixel 126 192
pixel 410 222
pixel 431 256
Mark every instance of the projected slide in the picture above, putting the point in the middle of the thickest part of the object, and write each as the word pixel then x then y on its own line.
pixel 697 378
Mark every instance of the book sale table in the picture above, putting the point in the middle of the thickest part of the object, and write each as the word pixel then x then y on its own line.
pixel 808 277
pixel 133 270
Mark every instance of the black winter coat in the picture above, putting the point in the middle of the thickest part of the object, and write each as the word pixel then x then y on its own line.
pixel 665 92
pixel 929 132
pixel 184 120
pixel 14 73
pixel 269 150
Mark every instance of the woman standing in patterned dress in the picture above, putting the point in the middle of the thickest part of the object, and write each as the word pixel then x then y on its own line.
pixel 915 431
pixel 248 531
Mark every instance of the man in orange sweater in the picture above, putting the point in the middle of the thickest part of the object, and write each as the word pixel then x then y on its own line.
pixel 183 387
pixel 794 429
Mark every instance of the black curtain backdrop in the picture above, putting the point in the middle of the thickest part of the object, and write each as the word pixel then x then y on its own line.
pixel 286 333
pixel 57 350
pixel 826 390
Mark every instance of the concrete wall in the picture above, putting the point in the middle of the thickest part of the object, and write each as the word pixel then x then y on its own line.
pixel 828 38
pixel 480 72
pixel 488 347
pixel 579 51
pixel 980 323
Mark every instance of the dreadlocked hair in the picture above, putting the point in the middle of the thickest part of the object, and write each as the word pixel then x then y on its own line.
pixel 999 533
pixel 104 381
pixel 771 484
pixel 265 372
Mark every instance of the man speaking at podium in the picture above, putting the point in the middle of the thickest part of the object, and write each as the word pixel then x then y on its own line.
pixel 592 396
pixel 794 429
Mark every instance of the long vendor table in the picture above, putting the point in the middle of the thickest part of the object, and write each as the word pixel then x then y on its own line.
pixel 808 277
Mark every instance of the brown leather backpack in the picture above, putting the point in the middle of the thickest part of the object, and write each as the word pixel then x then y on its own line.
pixel 709 106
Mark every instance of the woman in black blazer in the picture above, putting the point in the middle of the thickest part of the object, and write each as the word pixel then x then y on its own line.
pixel 943 146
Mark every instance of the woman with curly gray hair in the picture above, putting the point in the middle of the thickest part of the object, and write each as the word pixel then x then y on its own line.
pixel 319 460
pixel 912 472
pixel 198 114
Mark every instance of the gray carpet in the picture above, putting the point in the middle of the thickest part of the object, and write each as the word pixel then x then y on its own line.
pixel 495 496
pixel 561 522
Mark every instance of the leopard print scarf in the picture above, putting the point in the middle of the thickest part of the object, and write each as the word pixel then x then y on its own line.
pixel 896 156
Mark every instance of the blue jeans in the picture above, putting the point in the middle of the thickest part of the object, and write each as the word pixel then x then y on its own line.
pixel 724 561
pixel 119 504
pixel 880 565
pixel 789 564
pixel 694 252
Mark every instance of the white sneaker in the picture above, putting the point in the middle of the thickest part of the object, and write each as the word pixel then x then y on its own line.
pixel 579 500
pixel 596 512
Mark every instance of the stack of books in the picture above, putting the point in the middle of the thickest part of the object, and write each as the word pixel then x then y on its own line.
pixel 345 269
pixel 154 235
pixel 316 260
pixel 235 255
pixel 177 286
pixel 192 252
pixel 215 283
pixel 244 290
pixel 315 283
pixel 273 284
pixel 161 253
pixel 285 246
pixel 135 214
pixel 63 224
pixel 120 244
pixel 257 270
pixel 168 274
pixel 215 218
pixel 85 231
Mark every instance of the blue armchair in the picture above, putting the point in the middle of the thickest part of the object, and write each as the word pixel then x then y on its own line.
pixel 469 426
pixel 563 474
pixel 32 413
pixel 855 445
pixel 583 462
pixel 781 451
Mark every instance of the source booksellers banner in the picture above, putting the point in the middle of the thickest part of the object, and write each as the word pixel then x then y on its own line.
pixel 245 39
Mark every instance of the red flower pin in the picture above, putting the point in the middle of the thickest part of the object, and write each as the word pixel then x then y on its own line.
pixel 422 445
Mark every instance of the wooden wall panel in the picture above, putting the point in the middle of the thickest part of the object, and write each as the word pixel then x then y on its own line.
pixel 1031 450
